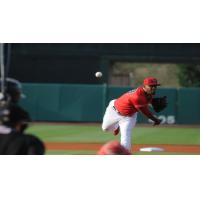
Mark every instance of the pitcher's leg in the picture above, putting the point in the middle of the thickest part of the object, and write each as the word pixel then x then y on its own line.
pixel 126 126
pixel 110 119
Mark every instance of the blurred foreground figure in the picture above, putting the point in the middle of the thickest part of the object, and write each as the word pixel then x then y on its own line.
pixel 13 140
pixel 21 144
pixel 113 148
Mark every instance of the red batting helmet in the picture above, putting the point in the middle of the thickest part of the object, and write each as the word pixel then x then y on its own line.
pixel 113 148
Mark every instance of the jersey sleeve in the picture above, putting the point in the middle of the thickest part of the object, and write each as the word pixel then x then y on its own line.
pixel 147 113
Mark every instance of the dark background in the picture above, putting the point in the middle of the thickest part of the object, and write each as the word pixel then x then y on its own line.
pixel 77 63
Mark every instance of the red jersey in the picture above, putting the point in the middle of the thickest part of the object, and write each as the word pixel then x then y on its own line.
pixel 132 101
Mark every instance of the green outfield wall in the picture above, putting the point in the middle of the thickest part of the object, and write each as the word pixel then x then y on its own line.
pixel 87 103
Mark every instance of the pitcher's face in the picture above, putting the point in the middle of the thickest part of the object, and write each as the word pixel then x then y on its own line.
pixel 150 89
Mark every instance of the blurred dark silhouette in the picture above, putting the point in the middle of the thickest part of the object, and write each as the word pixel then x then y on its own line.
pixel 14 121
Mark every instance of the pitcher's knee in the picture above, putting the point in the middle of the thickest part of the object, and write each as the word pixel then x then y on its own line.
pixel 104 128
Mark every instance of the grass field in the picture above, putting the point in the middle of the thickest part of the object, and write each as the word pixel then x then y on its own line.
pixel 83 133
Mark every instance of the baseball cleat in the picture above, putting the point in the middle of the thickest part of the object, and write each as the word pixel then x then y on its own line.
pixel 116 131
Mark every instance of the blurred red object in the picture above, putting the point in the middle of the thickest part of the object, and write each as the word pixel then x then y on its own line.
pixel 113 148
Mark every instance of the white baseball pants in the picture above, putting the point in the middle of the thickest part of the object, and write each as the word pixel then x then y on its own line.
pixel 112 120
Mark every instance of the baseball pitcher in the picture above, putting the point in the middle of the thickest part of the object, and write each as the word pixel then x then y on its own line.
pixel 121 113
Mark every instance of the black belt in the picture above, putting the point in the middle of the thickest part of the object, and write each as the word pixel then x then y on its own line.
pixel 117 111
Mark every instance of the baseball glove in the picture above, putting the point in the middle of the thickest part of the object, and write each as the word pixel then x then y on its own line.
pixel 159 104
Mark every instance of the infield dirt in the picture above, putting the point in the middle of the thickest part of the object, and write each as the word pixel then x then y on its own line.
pixel 96 146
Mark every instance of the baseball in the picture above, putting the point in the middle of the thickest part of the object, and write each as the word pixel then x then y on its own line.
pixel 98 74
